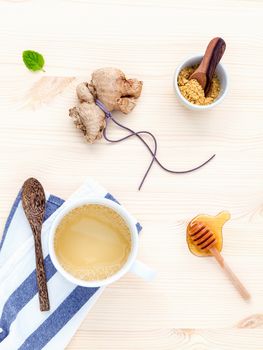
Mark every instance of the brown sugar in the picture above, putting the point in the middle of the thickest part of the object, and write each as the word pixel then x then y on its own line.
pixel 193 91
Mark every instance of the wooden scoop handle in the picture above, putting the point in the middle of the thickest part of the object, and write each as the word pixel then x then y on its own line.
pixel 215 51
pixel 205 71
pixel 231 275
pixel 41 275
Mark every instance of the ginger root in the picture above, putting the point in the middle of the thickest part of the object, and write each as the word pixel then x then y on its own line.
pixel 110 86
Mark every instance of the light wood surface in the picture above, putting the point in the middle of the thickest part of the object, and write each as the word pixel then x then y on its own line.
pixel 191 304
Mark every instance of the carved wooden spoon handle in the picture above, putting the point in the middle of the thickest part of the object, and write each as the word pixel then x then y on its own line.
pixel 34 204
pixel 215 53
pixel 41 275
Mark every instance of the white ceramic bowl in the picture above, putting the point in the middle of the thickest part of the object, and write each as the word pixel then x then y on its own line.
pixel 221 73
pixel 131 264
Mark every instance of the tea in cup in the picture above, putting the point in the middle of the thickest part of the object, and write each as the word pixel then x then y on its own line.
pixel 94 242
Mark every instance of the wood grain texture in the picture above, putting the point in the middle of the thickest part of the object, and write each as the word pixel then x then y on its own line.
pixel 190 305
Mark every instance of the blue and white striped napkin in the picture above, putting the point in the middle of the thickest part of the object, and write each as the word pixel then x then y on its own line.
pixel 22 324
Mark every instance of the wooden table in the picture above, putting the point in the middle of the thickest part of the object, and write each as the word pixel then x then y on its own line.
pixel 191 304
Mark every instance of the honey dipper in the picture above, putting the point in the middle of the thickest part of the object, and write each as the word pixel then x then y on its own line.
pixel 203 238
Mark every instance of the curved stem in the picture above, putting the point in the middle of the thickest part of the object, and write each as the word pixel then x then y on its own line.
pixel 153 152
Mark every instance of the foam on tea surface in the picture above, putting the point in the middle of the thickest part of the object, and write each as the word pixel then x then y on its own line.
pixel 92 242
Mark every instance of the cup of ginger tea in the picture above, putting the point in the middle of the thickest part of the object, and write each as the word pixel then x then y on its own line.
pixel 94 241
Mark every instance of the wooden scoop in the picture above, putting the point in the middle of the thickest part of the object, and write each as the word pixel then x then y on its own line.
pixel 205 71
pixel 34 202
pixel 205 239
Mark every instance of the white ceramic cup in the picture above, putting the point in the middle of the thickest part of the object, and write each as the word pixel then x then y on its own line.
pixel 221 73
pixel 131 264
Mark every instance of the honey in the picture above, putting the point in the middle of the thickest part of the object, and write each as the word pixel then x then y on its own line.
pixel 215 225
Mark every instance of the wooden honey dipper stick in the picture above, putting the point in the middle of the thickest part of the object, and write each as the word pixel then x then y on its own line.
pixel 202 237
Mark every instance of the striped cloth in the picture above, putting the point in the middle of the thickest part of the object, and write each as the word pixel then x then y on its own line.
pixel 22 325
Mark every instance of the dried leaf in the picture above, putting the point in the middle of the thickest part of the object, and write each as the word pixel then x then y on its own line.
pixel 45 89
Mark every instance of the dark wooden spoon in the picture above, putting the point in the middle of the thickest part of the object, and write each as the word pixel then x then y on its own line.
pixel 34 203
pixel 205 71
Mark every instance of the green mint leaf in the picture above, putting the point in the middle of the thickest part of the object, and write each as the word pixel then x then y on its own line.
pixel 33 60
